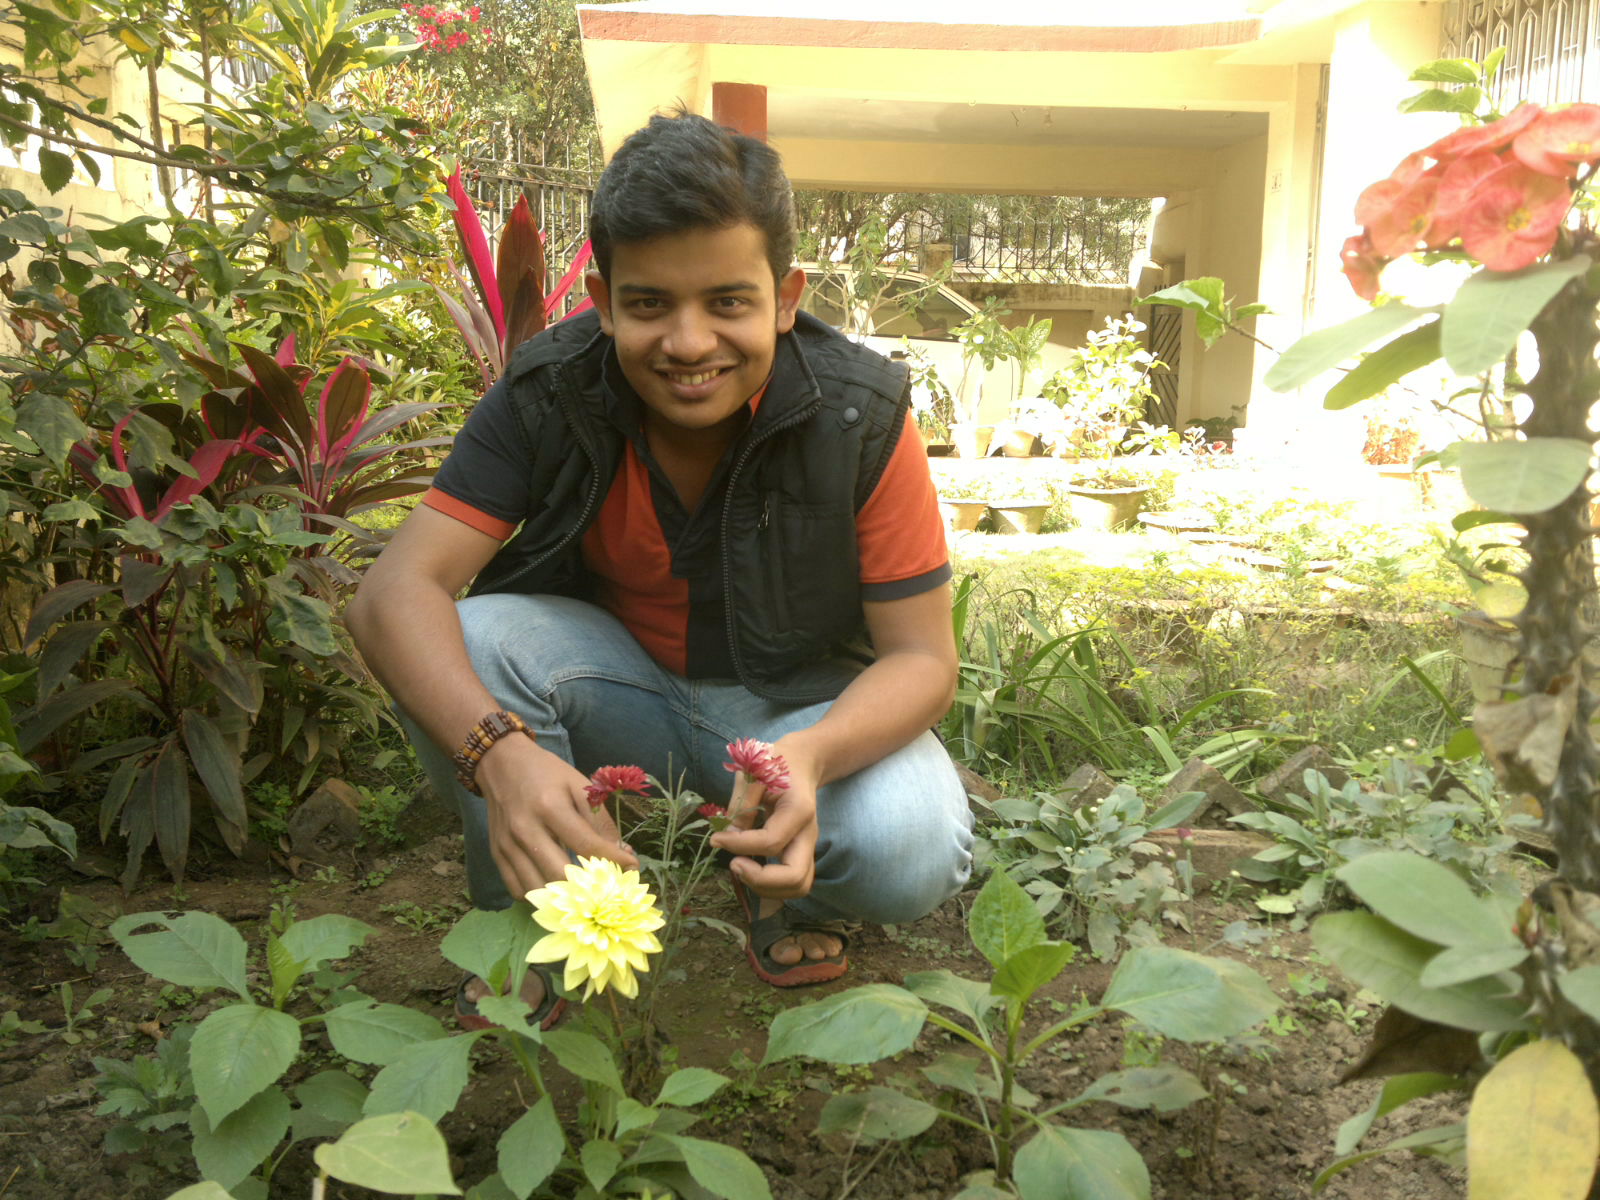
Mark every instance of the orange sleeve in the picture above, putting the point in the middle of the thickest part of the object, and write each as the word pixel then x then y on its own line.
pixel 467 515
pixel 899 531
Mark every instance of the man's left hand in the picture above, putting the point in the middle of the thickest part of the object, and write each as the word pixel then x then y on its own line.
pixel 788 834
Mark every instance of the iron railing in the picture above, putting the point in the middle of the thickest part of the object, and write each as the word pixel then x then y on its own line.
pixel 1086 247
pixel 1552 52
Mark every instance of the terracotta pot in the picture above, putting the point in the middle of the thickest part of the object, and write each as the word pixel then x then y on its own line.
pixel 962 515
pixel 971 440
pixel 1105 509
pixel 1019 444
pixel 1488 647
pixel 1019 516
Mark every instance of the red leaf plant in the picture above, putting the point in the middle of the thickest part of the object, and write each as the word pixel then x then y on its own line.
pixel 1503 189
pixel 611 782
pixel 510 305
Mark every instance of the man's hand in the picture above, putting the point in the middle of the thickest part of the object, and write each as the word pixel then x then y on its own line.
pixel 789 832
pixel 538 812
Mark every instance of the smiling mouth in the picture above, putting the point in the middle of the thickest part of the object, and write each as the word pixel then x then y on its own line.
pixel 693 378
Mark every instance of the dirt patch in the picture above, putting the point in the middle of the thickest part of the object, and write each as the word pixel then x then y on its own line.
pixel 1267 1131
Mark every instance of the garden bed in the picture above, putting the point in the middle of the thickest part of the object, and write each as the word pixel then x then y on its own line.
pixel 1267 1131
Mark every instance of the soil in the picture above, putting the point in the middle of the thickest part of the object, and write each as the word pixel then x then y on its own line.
pixel 1263 1136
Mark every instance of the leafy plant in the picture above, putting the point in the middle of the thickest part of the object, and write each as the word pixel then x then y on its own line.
pixel 1175 993
pixel 1092 874
pixel 1026 345
pixel 1319 828
pixel 1103 390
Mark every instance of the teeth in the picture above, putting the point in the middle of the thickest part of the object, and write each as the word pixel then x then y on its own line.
pixel 692 380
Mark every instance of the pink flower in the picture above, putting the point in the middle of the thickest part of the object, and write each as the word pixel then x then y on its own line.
pixel 756 761
pixel 1514 217
pixel 709 810
pixel 613 781
pixel 1474 139
pixel 1557 142
pixel 1361 265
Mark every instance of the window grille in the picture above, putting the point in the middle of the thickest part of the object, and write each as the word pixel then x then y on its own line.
pixel 1551 51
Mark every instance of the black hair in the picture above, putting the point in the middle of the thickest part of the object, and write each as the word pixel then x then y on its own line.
pixel 683 172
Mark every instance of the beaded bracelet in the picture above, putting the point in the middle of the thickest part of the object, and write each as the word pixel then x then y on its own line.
pixel 484 734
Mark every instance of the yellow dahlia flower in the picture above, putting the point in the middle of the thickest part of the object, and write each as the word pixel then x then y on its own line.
pixel 602 921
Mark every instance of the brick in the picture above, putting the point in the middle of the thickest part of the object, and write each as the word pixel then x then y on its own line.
pixel 1197 775
pixel 1290 777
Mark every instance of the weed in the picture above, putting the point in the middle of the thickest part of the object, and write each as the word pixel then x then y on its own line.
pixel 381 810
pixel 327 875
pixel 79 1015
pixel 11 1025
pixel 417 918
pixel 375 878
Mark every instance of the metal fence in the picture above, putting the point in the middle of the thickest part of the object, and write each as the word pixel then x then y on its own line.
pixel 1552 55
pixel 1094 242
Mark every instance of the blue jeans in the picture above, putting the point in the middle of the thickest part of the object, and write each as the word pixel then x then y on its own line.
pixel 895 838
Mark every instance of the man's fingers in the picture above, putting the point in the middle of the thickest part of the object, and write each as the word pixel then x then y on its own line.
pixel 575 830
pixel 744 805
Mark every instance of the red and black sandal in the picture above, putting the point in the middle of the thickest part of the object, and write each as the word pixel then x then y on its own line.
pixel 547 1016
pixel 765 932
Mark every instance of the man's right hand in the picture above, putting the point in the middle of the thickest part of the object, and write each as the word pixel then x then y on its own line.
pixel 538 812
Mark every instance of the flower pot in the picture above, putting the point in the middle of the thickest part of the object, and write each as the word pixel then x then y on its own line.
pixel 1105 508
pixel 962 515
pixel 1019 516
pixel 1488 647
pixel 970 439
pixel 1019 443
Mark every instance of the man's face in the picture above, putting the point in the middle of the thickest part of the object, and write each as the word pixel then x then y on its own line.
pixel 696 317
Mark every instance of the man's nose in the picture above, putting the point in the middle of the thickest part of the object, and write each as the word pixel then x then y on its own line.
pixel 690 337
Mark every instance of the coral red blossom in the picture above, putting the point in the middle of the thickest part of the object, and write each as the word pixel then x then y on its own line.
pixel 1475 139
pixel 709 810
pixel 1560 140
pixel 757 762
pixel 1361 265
pixel 613 781
pixel 1514 216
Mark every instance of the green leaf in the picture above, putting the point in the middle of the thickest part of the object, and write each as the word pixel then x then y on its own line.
pixel 1397 1090
pixel 531 1148
pixel 1327 348
pixel 1492 308
pixel 1004 920
pixel 483 940
pixel 330 1101
pixel 969 997
pixel 366 1032
pixel 51 422
pixel 599 1158
pixel 217 764
pixel 1461 963
pixel 102 307
pixel 1447 70
pixel 1424 898
pixel 1528 476
pixel 229 1152
pixel 325 938
pixel 424 1077
pixel 1025 972
pixel 205 1190
pixel 1464 100
pixel 722 1170
pixel 1189 996
pixel 197 950
pixel 55 169
pixel 71 510
pixel 400 1153
pixel 1165 1089
pixel 305 621
pixel 1386 365
pixel 1068 1164
pixel 1443 1141
pixel 1390 961
pixel 877 1114
pixel 858 1026
pixel 586 1057
pixel 1582 988
pixel 688 1086
pixel 236 1052
pixel 1204 297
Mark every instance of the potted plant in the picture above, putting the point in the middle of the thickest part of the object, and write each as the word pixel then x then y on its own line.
pixel 1103 389
pixel 1107 497
pixel 983 339
pixel 1029 419
pixel 932 406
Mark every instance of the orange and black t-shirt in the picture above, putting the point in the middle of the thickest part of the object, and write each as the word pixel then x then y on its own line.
pixel 658 566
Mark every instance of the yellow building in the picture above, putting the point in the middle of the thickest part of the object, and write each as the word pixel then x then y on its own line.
pixel 1257 121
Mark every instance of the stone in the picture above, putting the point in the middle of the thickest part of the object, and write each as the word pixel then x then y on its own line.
pixel 1197 775
pixel 976 785
pixel 1086 786
pixel 1214 853
pixel 1290 777
pixel 328 820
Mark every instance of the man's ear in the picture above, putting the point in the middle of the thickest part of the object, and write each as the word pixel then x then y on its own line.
pixel 790 288
pixel 601 295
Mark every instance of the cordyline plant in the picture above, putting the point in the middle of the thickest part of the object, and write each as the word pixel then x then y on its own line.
pixel 1510 199
pixel 510 305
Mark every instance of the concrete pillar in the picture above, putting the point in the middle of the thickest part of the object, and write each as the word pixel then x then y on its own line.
pixel 740 106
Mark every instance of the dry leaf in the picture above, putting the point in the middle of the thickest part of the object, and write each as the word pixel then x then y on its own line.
pixel 1523 738
pixel 1402 1043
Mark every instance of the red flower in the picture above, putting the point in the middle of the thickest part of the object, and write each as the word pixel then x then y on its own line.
pixel 1361 265
pixel 1513 218
pixel 759 764
pixel 1556 143
pixel 613 781
pixel 709 810
pixel 1400 223
pixel 1475 139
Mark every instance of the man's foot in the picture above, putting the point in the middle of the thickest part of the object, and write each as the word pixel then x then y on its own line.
pixel 812 951
pixel 811 944
pixel 538 993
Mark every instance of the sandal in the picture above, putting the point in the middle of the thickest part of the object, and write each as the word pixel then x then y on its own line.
pixel 547 1016
pixel 766 932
